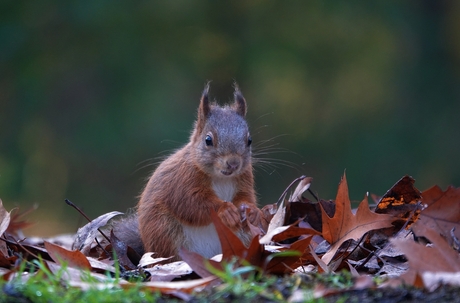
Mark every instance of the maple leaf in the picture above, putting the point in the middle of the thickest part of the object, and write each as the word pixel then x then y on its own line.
pixel 442 212
pixel 344 225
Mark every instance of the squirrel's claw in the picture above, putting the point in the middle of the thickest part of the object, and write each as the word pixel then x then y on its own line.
pixel 230 216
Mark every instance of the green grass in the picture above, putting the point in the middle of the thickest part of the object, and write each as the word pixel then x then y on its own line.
pixel 36 283
pixel 240 283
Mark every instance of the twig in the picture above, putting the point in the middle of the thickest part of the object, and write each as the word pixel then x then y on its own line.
pixel 313 194
pixel 16 242
pixel 70 203
pixel 99 244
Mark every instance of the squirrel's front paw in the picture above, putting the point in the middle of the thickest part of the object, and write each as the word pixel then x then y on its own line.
pixel 255 216
pixel 230 216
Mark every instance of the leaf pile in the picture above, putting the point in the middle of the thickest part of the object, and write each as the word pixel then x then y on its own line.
pixel 408 237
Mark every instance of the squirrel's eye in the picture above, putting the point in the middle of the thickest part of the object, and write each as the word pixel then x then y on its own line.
pixel 249 141
pixel 208 140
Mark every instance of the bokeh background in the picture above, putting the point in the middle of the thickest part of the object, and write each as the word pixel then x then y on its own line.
pixel 93 92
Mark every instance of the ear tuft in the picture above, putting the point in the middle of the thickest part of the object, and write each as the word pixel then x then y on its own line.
pixel 204 102
pixel 239 101
pixel 203 110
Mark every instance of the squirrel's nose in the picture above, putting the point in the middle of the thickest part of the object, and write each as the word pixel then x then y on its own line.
pixel 233 164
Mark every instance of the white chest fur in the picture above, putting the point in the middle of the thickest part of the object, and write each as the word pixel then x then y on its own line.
pixel 203 240
pixel 224 188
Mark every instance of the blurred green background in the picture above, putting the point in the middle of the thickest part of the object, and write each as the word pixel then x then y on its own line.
pixel 93 92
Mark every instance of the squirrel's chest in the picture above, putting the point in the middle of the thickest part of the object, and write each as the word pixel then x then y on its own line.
pixel 224 188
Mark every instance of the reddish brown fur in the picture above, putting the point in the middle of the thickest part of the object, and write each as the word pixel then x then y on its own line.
pixel 180 192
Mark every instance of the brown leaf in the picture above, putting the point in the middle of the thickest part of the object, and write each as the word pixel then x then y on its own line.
pixel 72 258
pixel 439 257
pixel 344 225
pixel 446 259
pixel 309 212
pixel 248 227
pixel 268 211
pixel 231 244
pixel 16 222
pixel 169 287
pixel 283 264
pixel 198 263
pixel 292 232
pixel 442 212
pixel 233 247
pixel 402 200
pixel 163 287
pixel 283 233
pixel 254 253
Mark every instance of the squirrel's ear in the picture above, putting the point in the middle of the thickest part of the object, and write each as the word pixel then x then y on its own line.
pixel 240 102
pixel 204 109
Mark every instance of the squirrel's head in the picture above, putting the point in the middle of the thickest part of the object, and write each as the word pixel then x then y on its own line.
pixel 221 136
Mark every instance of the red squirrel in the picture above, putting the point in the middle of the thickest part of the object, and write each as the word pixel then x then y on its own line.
pixel 211 172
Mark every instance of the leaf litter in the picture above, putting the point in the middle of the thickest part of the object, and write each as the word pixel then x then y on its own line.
pixel 408 238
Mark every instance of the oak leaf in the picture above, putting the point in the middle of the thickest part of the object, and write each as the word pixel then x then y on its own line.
pixel 442 212
pixel 84 239
pixel 402 200
pixel 73 258
pixel 439 257
pixel 345 225
pixel 256 254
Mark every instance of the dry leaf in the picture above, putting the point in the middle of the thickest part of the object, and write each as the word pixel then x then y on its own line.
pixel 439 257
pixel 147 259
pixel 199 263
pixel 442 212
pixel 171 287
pixel 4 218
pixel 74 274
pixel 85 236
pixel 344 225
pixel 100 266
pixel 286 232
pixel 302 187
pixel 278 218
pixel 71 258
pixel 402 200
pixel 231 244
pixel 4 224
pixel 433 280
pixel 169 271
